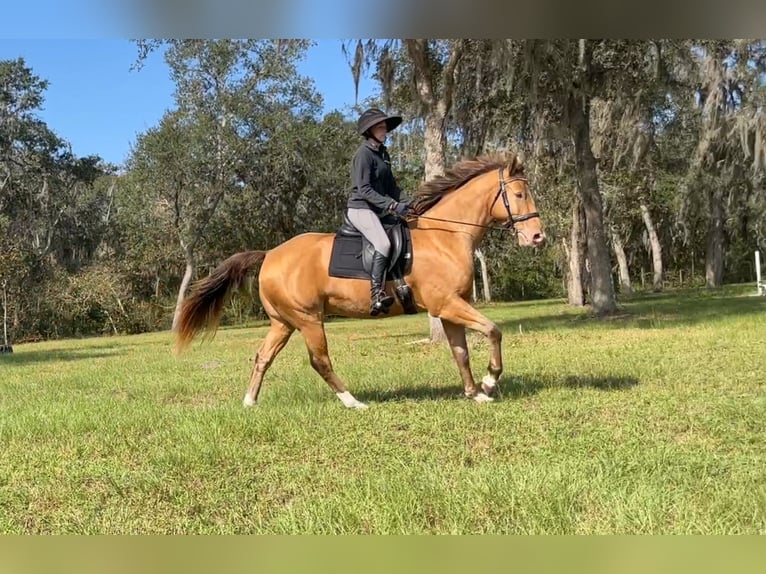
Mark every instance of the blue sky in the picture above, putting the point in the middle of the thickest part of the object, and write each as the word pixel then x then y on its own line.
pixel 99 105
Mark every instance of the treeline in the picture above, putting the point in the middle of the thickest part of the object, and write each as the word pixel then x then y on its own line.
pixel 646 158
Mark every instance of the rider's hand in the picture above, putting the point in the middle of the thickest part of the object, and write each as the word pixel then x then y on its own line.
pixel 400 208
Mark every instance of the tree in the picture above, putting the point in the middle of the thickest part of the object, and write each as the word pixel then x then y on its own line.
pixel 48 203
pixel 221 86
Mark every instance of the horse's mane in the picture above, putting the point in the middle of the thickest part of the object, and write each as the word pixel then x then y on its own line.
pixel 430 192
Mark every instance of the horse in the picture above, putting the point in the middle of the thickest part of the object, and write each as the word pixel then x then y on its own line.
pixel 451 214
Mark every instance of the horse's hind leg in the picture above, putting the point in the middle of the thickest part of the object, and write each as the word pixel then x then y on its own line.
pixel 316 342
pixel 275 341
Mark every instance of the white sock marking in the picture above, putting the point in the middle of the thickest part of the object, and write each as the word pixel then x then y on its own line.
pixel 489 381
pixel 349 401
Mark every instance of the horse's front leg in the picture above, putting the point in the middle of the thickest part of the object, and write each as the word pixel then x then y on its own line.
pixel 457 342
pixel 459 312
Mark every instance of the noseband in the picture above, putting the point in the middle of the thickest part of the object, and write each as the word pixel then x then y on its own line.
pixel 502 192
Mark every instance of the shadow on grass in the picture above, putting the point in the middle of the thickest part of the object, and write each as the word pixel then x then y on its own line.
pixel 410 393
pixel 411 336
pixel 41 356
pixel 518 387
pixel 652 311
pixel 509 388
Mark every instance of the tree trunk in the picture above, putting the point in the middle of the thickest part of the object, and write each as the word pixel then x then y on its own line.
pixel 436 108
pixel 434 144
pixel 715 241
pixel 576 259
pixel 484 275
pixel 5 316
pixel 622 263
pixel 434 165
pixel 188 274
pixel 656 247
pixel 602 294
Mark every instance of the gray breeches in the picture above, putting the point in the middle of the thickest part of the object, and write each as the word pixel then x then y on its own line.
pixel 371 227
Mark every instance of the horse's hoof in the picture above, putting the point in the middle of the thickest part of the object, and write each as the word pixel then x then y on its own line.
pixel 247 402
pixel 489 384
pixel 482 398
pixel 350 402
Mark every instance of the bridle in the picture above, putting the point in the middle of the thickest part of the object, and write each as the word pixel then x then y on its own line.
pixel 502 192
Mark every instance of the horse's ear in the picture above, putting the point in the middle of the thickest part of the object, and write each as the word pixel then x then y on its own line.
pixel 517 165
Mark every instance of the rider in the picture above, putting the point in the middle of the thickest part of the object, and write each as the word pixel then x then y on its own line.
pixel 375 195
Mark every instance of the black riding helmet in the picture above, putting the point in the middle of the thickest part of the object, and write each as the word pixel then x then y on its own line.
pixel 373 116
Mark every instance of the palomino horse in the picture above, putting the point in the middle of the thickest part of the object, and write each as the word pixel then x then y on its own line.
pixel 453 213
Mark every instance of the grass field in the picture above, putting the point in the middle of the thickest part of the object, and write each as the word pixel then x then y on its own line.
pixel 650 422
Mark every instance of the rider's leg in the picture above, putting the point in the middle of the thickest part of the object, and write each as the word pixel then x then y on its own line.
pixel 370 226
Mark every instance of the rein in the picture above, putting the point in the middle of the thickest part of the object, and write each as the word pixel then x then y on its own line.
pixel 510 224
pixel 495 227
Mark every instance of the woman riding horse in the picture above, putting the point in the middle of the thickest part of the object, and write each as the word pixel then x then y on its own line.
pixel 454 211
pixel 374 196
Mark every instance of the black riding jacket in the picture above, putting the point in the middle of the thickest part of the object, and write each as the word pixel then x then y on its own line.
pixel 373 185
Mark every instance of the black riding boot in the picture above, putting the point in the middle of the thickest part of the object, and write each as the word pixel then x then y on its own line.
pixel 379 300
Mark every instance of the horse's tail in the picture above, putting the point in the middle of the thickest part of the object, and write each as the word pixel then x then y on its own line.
pixel 202 307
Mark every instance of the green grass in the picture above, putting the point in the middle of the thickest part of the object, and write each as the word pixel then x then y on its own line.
pixel 650 422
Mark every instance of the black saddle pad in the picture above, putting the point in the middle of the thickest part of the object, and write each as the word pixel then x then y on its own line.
pixel 346 258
